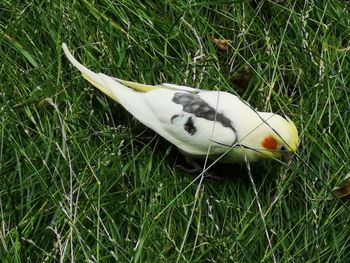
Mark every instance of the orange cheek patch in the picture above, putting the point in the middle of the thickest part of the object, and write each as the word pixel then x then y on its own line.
pixel 269 143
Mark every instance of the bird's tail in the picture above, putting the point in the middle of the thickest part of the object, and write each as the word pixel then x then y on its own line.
pixel 90 76
pixel 95 79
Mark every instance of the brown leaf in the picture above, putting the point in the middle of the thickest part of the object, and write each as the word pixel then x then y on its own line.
pixel 220 43
pixel 343 191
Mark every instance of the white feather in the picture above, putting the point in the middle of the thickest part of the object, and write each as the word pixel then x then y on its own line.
pixel 178 87
pixel 89 75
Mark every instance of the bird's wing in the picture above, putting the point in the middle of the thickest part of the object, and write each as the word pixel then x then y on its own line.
pixel 199 120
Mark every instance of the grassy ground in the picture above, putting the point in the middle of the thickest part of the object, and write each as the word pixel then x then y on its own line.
pixel 81 180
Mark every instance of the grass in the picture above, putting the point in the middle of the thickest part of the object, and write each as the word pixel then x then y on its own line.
pixel 81 180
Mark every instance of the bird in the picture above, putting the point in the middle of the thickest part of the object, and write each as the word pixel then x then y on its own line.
pixel 200 123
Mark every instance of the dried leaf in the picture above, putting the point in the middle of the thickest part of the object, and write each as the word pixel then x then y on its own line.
pixel 343 191
pixel 220 43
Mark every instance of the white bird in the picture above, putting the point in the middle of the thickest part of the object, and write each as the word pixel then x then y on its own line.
pixel 200 122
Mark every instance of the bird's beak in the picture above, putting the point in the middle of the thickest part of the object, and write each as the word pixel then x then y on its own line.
pixel 287 156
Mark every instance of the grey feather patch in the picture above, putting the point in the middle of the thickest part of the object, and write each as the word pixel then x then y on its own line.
pixel 192 103
pixel 189 126
pixel 174 117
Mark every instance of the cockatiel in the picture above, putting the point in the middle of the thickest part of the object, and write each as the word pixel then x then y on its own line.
pixel 200 122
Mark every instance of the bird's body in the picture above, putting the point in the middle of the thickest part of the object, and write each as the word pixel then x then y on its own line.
pixel 200 122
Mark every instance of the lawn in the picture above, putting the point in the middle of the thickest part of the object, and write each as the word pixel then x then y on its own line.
pixel 82 181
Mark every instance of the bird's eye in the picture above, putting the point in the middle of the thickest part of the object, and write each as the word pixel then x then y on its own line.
pixel 283 148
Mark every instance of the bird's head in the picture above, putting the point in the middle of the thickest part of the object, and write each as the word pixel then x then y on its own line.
pixel 276 137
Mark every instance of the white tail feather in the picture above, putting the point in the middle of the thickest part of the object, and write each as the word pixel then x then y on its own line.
pixel 89 75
